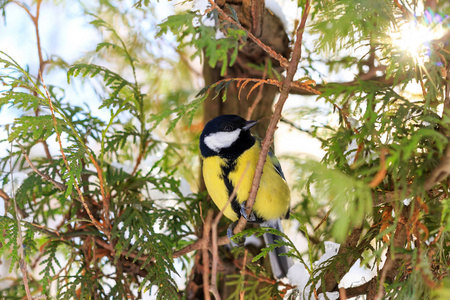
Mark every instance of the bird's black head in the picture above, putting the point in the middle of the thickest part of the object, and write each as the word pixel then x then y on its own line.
pixel 227 136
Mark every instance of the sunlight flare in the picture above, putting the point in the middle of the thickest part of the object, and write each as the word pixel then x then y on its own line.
pixel 414 36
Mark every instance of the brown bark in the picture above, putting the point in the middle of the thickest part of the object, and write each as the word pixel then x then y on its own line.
pixel 334 276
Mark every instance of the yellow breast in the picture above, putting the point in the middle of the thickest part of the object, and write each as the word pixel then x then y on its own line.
pixel 212 174
pixel 273 198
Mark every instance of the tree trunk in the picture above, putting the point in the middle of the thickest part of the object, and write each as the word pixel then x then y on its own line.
pixel 270 30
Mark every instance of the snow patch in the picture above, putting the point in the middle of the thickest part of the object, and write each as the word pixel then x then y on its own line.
pixel 298 275
pixel 356 276
pixel 276 9
pixel 407 201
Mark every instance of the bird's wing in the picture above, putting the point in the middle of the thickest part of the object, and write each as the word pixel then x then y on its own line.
pixel 274 160
pixel 276 164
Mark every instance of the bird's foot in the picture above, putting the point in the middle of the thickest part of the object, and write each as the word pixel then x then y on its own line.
pixel 251 217
pixel 234 241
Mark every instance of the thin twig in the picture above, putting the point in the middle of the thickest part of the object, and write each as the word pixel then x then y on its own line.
pixel 35 19
pixel 261 277
pixel 323 220
pixel 22 262
pixel 386 268
pixel 299 86
pixel 106 196
pixel 57 184
pixel 7 202
pixel 244 263
pixel 259 96
pixel 215 254
pixel 66 162
pixel 382 171
pixel 205 254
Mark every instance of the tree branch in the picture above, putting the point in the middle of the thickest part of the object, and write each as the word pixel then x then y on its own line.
pixel 205 254
pixel 333 276
pixel 361 289
pixel 392 264
pixel 7 201
pixel 441 171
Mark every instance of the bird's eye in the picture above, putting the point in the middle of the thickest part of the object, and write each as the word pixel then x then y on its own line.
pixel 228 128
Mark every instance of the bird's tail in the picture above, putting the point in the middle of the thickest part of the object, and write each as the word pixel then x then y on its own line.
pixel 280 264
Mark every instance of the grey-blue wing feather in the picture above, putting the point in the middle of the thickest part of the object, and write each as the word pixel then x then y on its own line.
pixel 275 162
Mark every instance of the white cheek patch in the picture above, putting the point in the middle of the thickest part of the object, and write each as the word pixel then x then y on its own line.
pixel 220 140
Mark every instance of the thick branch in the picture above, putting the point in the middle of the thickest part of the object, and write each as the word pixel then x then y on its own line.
pixel 392 264
pixel 439 173
pixel 333 276
pixel 442 170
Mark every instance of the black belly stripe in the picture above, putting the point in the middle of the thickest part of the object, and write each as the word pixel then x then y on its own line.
pixel 229 167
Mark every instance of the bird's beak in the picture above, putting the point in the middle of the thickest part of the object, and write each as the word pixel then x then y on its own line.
pixel 249 124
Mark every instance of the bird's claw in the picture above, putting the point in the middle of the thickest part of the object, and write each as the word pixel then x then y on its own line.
pixel 230 235
pixel 249 218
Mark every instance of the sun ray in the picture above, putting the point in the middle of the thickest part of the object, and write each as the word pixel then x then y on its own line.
pixel 414 37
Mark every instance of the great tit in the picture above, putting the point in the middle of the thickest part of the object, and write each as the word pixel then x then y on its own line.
pixel 230 154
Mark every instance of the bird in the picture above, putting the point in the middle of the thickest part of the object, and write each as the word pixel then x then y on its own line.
pixel 230 153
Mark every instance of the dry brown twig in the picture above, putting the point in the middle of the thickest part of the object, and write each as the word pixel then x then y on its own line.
pixel 244 263
pixel 382 171
pixel 205 255
pixel 42 63
pixel 259 96
pixel 261 277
